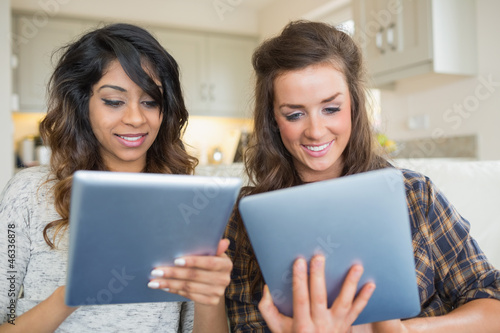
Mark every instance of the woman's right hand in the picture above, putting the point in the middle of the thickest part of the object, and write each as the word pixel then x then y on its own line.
pixel 311 312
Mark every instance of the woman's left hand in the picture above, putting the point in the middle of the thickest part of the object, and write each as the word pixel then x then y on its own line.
pixel 202 279
pixel 310 309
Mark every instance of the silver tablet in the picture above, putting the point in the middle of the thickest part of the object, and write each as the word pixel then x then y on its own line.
pixel 361 218
pixel 122 225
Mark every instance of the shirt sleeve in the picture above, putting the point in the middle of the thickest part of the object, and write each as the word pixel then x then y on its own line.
pixel 241 304
pixel 187 315
pixel 14 244
pixel 451 268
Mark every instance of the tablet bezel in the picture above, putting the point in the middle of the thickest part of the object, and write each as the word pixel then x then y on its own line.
pixel 122 225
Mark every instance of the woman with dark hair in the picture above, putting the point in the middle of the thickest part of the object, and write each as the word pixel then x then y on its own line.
pixel 115 104
pixel 311 124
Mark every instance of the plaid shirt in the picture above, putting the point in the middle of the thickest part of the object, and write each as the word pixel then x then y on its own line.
pixel 451 268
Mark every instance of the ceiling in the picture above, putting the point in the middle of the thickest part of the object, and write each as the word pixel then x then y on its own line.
pixel 244 17
pixel 253 4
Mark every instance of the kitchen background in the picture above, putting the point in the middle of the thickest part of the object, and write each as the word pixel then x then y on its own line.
pixel 433 66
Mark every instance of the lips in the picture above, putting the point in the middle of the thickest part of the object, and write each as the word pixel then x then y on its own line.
pixel 132 140
pixel 318 148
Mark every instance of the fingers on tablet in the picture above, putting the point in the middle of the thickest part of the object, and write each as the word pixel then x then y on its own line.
pixel 208 263
pixel 318 287
pixel 274 319
pixel 196 291
pixel 347 302
pixel 301 304
pixel 223 246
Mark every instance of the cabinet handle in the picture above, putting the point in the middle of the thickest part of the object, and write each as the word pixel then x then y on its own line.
pixel 211 94
pixel 391 36
pixel 379 40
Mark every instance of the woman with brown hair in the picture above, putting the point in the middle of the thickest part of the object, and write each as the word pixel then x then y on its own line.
pixel 115 104
pixel 311 124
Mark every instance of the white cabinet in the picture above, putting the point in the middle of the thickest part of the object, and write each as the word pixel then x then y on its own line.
pixel 188 50
pixel 406 38
pixel 215 71
pixel 35 44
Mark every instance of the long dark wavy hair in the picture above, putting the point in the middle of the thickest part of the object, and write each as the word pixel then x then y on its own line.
pixel 66 127
pixel 268 163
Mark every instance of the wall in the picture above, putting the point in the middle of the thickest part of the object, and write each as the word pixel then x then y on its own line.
pixel 212 15
pixel 204 134
pixel 456 106
pixel 6 126
pixel 276 15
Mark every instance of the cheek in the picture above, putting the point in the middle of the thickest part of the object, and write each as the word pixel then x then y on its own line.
pixel 156 121
pixel 93 123
pixel 346 125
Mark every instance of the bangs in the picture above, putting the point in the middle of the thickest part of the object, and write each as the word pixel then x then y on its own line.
pixel 144 75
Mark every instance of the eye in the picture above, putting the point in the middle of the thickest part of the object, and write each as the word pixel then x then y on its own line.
pixel 332 110
pixel 294 116
pixel 151 104
pixel 112 103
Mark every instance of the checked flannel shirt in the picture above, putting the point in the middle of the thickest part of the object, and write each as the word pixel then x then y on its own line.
pixel 451 268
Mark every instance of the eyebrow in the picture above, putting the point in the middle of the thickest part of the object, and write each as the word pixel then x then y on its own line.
pixel 299 106
pixel 120 88
pixel 112 87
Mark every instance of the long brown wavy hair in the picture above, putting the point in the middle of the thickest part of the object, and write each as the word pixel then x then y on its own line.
pixel 66 127
pixel 268 163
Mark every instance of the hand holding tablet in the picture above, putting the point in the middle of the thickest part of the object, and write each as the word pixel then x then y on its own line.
pixel 202 279
pixel 359 219
pixel 124 225
pixel 310 300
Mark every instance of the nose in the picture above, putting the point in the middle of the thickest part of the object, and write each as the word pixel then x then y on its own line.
pixel 133 115
pixel 315 128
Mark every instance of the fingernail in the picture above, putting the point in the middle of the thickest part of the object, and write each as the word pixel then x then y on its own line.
pixel 301 265
pixel 319 261
pixel 180 262
pixel 358 271
pixel 154 285
pixel 266 290
pixel 157 273
pixel 166 289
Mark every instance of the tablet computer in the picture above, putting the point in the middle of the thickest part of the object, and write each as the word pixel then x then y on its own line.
pixel 361 218
pixel 122 225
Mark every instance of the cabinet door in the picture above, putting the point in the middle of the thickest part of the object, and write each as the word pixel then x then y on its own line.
pixel 36 45
pixel 395 33
pixel 189 50
pixel 230 72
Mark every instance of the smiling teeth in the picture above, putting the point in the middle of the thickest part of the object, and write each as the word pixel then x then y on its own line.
pixel 318 148
pixel 128 138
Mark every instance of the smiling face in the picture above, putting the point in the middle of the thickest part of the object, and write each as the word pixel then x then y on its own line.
pixel 124 119
pixel 312 108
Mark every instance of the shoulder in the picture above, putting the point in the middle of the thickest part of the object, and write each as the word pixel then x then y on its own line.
pixel 430 211
pixel 24 185
pixel 415 181
pixel 420 190
pixel 28 178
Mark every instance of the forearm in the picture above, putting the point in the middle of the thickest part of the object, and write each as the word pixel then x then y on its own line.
pixel 482 315
pixel 210 318
pixel 45 317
